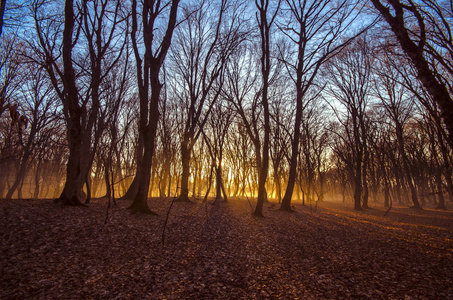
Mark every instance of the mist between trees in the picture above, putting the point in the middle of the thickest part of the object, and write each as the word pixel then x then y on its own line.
pixel 271 100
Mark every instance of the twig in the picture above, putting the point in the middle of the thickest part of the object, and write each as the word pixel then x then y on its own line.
pixel 112 196
pixel 168 215
pixel 106 214
pixel 251 206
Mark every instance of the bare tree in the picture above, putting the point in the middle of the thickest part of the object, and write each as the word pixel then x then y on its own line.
pixel 423 30
pixel 149 86
pixel 168 143
pixel 316 30
pixel 10 80
pixel 219 123
pixel 407 78
pixel 264 25
pixel 399 107
pixel 96 26
pixel 238 156
pixel 115 118
pixel 10 63
pixel 436 165
pixel 39 103
pixel 439 137
pixel 280 112
pixel 69 96
pixel 383 150
pixel 12 14
pixel 348 74
pixel 314 143
pixel 204 43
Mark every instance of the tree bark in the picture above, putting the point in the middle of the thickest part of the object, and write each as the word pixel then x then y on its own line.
pixel 185 158
pixel 140 203
pixel 358 184
pixel 218 183
pixel 440 192
pixel 133 188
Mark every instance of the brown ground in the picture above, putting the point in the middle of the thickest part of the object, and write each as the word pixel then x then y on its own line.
pixel 332 253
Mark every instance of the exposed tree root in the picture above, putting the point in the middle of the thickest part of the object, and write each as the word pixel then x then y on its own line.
pixel 258 214
pixel 183 198
pixel 137 207
pixel 286 209
pixel 73 201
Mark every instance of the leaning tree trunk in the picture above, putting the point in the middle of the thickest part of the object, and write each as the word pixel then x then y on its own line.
pixel 20 175
pixel 416 52
pixel 286 201
pixel 133 188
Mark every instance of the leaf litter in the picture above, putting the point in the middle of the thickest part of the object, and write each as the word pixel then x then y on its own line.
pixel 222 252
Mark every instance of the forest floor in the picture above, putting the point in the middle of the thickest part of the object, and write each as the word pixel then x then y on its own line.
pixel 223 252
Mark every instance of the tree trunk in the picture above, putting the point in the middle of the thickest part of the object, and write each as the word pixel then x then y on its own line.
pixel 148 77
pixel 185 158
pixel 133 188
pixel 279 187
pixel 440 192
pixel 169 185
pixel 365 164
pixel 208 189
pixel 75 170
pixel 397 188
pixel 225 197
pixel 22 170
pixel 140 202
pixel 448 176
pixel 195 179
pixel 37 179
pixel 2 11
pixel 447 163
pixel 218 183
pixel 286 201
pixel 358 185
pixel 73 194
pixel 386 195
pixel 108 192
